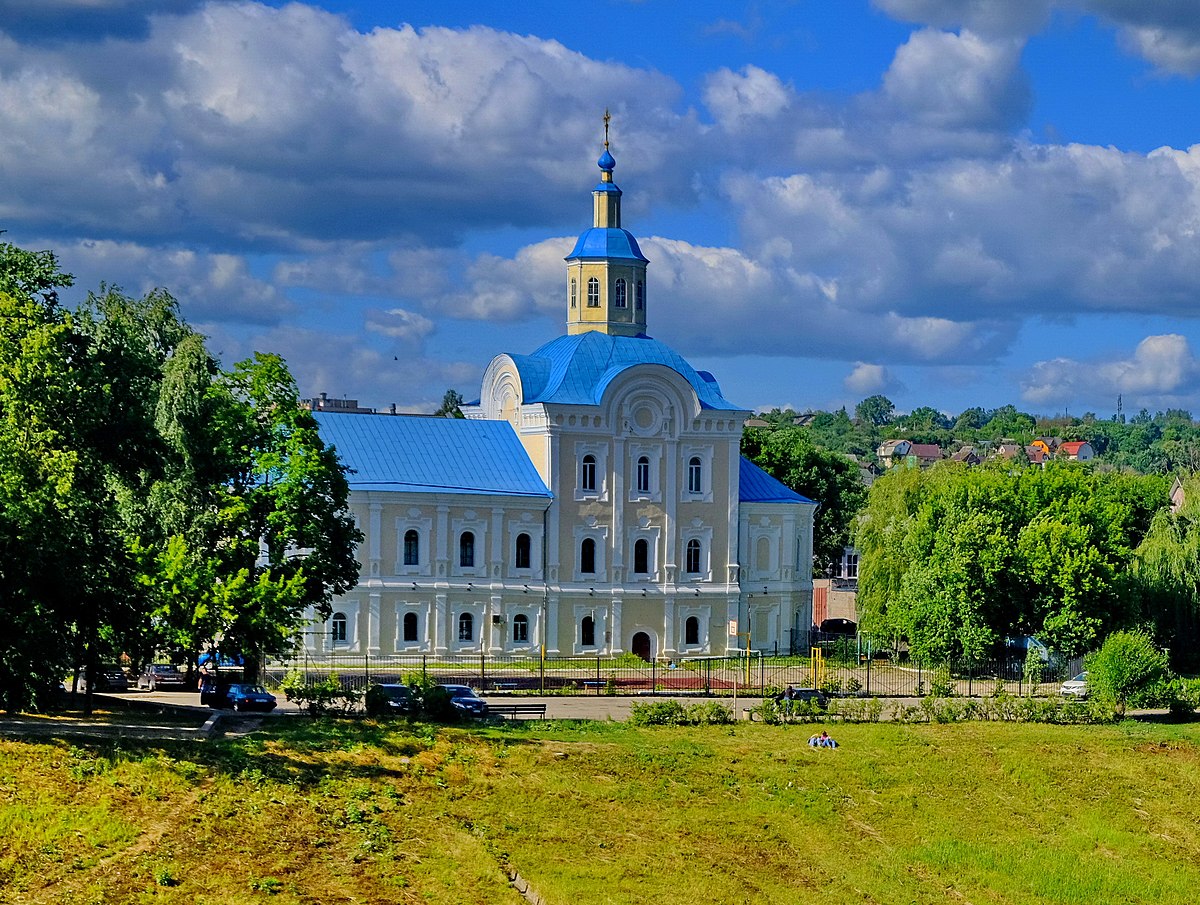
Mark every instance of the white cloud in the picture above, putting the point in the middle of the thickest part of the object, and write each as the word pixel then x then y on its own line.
pixel 868 379
pixel 208 286
pixel 988 17
pixel 958 81
pixel 1161 371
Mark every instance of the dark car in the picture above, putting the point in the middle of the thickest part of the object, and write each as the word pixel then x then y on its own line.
pixel 387 699
pixel 242 697
pixel 162 675
pixel 812 696
pixel 108 677
pixel 465 700
pixel 838 627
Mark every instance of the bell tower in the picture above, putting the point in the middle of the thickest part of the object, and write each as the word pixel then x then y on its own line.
pixel 606 271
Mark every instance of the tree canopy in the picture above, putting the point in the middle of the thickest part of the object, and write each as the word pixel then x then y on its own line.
pixel 955 559
pixel 790 456
pixel 149 500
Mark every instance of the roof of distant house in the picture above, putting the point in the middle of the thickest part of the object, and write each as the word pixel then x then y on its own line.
pixel 925 451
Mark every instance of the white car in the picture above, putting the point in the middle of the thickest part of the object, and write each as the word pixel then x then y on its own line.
pixel 1075 688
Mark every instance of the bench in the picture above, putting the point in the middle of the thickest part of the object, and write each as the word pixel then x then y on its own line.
pixel 597 684
pixel 504 686
pixel 518 711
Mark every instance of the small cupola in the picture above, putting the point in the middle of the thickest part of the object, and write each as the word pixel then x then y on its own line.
pixel 606 271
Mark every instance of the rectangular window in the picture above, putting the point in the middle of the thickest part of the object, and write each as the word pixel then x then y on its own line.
pixel 850 569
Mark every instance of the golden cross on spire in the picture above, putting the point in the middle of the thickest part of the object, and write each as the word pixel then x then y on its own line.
pixel 606 121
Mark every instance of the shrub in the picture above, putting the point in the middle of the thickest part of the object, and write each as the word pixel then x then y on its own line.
pixel 1128 669
pixel 658 713
pixel 710 713
pixel 941 683
pixel 322 697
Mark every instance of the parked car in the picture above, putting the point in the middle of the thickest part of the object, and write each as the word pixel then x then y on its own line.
pixel 839 627
pixel 162 675
pixel 242 697
pixel 807 695
pixel 109 677
pixel 1075 688
pixel 389 700
pixel 465 699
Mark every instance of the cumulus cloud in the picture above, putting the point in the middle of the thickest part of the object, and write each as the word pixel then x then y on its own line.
pixel 1006 18
pixel 868 379
pixel 240 124
pixel 208 286
pixel 1161 371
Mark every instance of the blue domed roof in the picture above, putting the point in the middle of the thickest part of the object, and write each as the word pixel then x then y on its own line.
pixel 607 242
pixel 606 161
pixel 577 369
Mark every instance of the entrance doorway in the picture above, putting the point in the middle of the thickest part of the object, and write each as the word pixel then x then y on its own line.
pixel 641 646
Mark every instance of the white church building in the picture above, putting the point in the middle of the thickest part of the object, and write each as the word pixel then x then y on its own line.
pixel 594 502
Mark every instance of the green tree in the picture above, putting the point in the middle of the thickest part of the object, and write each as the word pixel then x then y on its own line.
pixel 788 455
pixel 1128 669
pixel 451 406
pixel 876 410
pixel 955 557
pixel 288 539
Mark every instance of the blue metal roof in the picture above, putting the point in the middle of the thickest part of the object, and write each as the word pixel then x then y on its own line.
pixel 431 455
pixel 756 486
pixel 607 242
pixel 576 369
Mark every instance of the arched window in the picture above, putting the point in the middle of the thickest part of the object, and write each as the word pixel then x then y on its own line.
pixel 520 629
pixel 523 550
pixel 643 474
pixel 695 475
pixel 337 628
pixel 412 548
pixel 641 556
pixel 762 555
pixel 620 294
pixel 410 626
pixel 692 565
pixel 574 292
pixel 593 293
pixel 587 556
pixel 466 627
pixel 641 295
pixel 691 631
pixel 466 550
pixel 587 473
pixel 587 632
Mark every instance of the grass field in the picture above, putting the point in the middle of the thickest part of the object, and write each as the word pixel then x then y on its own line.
pixel 604 813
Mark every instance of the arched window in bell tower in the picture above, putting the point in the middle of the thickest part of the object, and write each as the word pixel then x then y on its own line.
pixel 641 296
pixel 593 293
pixel 574 292
pixel 620 294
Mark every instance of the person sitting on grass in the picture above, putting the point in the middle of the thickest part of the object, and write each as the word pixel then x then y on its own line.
pixel 822 741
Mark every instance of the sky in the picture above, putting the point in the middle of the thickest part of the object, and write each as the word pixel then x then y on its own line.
pixel 954 203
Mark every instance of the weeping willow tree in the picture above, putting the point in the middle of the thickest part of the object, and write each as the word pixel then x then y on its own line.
pixel 1167 567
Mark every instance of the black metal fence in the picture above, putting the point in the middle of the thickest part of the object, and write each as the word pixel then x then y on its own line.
pixel 840 670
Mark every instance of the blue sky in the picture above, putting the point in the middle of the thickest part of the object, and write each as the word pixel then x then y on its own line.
pixel 951 202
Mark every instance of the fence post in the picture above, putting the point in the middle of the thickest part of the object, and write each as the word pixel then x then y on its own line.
pixel 762 673
pixel 597 674
pixel 424 671
pixel 542 672
pixel 868 673
pixel 367 667
pixel 920 680
pixel 653 676
pixel 482 672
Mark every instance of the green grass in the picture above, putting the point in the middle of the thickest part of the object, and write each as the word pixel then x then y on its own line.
pixel 605 813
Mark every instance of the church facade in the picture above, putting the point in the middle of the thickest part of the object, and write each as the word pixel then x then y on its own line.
pixel 594 502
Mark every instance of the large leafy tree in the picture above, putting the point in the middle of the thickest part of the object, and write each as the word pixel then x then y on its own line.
pixel 955 558
pixel 147 500
pixel 789 455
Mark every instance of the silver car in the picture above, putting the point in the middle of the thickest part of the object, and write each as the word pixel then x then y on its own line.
pixel 1075 688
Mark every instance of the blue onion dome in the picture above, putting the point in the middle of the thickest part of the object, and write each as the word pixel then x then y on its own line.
pixel 606 161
